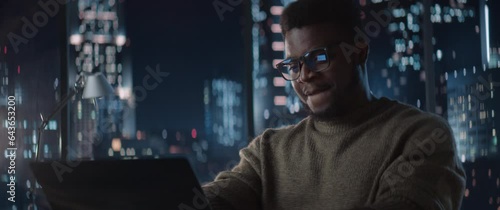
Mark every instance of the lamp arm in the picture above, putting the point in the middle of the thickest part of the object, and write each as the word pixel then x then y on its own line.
pixel 73 91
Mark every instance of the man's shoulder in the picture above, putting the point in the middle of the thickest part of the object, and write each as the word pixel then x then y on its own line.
pixel 410 119
pixel 409 113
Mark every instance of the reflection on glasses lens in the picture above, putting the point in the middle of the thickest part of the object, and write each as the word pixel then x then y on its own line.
pixel 316 60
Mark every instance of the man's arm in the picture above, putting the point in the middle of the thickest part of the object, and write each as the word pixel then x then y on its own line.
pixel 427 175
pixel 239 188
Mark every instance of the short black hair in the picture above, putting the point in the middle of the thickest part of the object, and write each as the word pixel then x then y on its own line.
pixel 344 13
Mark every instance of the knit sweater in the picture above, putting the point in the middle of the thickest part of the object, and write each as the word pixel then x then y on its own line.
pixel 385 155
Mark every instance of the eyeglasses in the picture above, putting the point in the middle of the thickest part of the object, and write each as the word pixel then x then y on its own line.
pixel 316 60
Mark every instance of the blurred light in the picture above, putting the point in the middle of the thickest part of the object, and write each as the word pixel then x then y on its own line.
pixel 120 40
pixel 276 28
pixel 123 92
pixel 116 144
pixel 410 21
pixel 138 135
pixel 103 15
pixel 266 114
pixel 279 82
pixel 422 76
pixel 263 81
pixel 278 46
pixel 76 39
pixel 164 134
pixel 101 39
pixel 276 10
pixel 110 152
pixel 279 100
pixel 18 69
pixel 447 18
pixel 393 27
pixel 193 133
pixel 439 54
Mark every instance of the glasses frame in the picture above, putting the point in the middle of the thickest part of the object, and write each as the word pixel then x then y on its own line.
pixel 302 60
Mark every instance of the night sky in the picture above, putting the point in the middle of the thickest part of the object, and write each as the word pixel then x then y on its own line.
pixel 189 41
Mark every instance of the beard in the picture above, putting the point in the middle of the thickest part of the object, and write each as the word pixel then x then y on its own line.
pixel 339 105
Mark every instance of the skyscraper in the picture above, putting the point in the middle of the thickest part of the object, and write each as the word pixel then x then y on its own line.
pixel 274 102
pixel 98 44
pixel 225 125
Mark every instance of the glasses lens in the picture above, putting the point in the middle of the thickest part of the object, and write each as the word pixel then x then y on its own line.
pixel 290 69
pixel 317 60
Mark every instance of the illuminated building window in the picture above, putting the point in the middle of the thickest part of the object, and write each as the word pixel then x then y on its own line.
pixel 279 100
pixel 276 10
pixel 276 28
pixel 278 46
pixel 279 82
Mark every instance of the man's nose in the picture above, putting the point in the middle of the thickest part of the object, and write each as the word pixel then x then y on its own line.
pixel 306 74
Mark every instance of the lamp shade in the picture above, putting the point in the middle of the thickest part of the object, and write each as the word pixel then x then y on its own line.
pixel 96 86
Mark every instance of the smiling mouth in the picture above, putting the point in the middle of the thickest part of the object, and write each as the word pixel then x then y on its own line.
pixel 316 91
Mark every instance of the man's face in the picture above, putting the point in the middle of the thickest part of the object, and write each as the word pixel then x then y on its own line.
pixel 324 93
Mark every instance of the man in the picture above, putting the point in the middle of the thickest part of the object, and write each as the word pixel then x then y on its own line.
pixel 354 151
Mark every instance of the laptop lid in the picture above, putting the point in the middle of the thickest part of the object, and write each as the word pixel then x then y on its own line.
pixel 120 184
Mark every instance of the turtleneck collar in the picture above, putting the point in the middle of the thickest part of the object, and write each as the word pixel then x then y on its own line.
pixel 353 118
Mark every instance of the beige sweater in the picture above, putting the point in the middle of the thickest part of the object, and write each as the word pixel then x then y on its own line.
pixel 386 155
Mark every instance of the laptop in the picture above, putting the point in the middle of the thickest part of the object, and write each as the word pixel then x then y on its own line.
pixel 120 184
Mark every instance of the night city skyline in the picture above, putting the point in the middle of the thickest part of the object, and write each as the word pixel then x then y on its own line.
pixel 202 83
